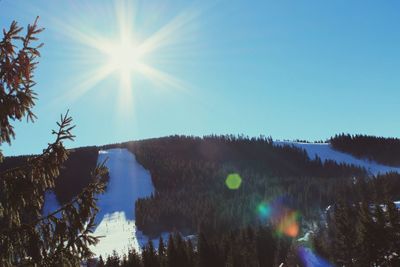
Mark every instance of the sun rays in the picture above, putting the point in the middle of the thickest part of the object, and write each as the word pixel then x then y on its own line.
pixel 123 54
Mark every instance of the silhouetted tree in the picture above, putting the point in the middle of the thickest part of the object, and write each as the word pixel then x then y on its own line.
pixel 26 237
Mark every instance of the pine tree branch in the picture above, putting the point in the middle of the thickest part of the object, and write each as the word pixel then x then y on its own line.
pixel 61 134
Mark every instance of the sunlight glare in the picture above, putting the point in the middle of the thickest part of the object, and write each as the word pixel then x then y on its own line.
pixel 123 57
pixel 123 54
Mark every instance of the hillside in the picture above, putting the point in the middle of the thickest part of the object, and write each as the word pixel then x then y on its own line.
pixel 379 149
pixel 326 151
pixel 179 183
pixel 189 176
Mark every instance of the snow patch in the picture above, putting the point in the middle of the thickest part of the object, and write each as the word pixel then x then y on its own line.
pixel 50 203
pixel 128 182
pixel 326 152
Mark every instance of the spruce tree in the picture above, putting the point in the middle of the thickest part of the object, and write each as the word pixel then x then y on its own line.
pixel 100 263
pixel 394 224
pixel 265 247
pixel 134 259
pixel 343 233
pixel 63 237
pixel 367 248
pixel 181 251
pixel 161 252
pixel 171 252
pixel 191 253
pixel 149 255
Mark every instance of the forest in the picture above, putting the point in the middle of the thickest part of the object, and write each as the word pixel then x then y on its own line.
pixel 250 246
pixel 349 234
pixel 380 149
pixel 74 174
pixel 189 175
pixel 241 227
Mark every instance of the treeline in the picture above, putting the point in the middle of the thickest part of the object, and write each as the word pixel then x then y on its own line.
pixel 380 149
pixel 355 234
pixel 74 176
pixel 360 234
pixel 361 228
pixel 189 176
pixel 76 172
pixel 252 246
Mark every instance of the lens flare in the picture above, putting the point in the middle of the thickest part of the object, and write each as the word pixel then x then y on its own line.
pixel 233 181
pixel 284 219
pixel 263 210
pixel 288 224
pixel 310 259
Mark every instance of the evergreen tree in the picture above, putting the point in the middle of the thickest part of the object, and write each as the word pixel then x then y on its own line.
pixel 124 261
pixel 134 259
pixel 265 247
pixel 181 251
pixel 171 252
pixel 61 238
pixel 367 249
pixel 101 262
pixel 149 256
pixel 343 233
pixel 113 260
pixel 161 252
pixel 203 251
pixel 191 253
pixel 394 227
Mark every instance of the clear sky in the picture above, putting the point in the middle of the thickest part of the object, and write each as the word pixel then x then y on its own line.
pixel 289 69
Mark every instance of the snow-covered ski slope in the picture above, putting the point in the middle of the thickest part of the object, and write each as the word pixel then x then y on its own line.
pixel 115 220
pixel 326 152
pixel 128 182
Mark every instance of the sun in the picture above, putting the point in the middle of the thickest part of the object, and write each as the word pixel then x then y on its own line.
pixel 122 54
pixel 123 57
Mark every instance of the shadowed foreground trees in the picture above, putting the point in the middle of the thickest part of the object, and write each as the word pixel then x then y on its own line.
pixel 358 234
pixel 361 234
pixel 251 246
pixel 26 237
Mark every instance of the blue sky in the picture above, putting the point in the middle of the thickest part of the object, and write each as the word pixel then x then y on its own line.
pixel 289 69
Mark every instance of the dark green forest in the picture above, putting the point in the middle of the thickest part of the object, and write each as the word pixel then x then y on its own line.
pixel 350 234
pixel 251 246
pixel 189 176
pixel 380 149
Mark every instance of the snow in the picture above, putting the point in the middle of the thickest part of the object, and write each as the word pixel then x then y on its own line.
pixel 326 152
pixel 128 182
pixel 115 220
pixel 306 237
pixel 50 203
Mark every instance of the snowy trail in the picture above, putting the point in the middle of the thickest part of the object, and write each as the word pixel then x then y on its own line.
pixel 128 182
pixel 326 152
pixel 115 220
